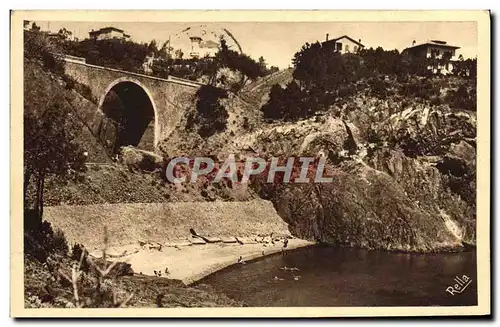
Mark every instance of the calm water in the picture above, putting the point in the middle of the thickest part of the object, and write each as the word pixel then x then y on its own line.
pixel 349 277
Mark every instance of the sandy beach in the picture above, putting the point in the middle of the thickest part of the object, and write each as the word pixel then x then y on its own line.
pixel 156 236
pixel 191 263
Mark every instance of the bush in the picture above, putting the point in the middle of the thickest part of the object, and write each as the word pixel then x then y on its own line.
pixel 462 99
pixel 288 104
pixel 346 91
pixel 423 89
pixel 69 81
pixel 436 101
pixel 77 251
pixel 40 240
pixel 59 242
pixel 211 116
pixel 378 88
pixel 246 124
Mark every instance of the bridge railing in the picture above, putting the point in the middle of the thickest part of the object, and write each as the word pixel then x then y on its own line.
pixel 170 78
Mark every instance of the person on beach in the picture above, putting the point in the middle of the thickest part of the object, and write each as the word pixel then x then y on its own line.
pixel 285 244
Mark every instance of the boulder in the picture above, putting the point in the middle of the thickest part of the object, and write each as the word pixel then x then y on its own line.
pixel 213 239
pixel 229 239
pixel 197 240
pixel 465 152
pixel 122 269
pixel 246 240
pixel 137 159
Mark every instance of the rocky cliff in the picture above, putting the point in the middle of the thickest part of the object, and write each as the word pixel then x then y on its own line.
pixel 403 169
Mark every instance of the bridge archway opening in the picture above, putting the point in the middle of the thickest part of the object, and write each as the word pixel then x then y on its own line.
pixel 129 117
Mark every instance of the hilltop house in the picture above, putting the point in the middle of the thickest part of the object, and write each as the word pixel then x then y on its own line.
pixel 109 33
pixel 344 44
pixel 200 48
pixel 433 49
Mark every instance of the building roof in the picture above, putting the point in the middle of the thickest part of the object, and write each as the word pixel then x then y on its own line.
pixel 434 43
pixel 345 37
pixel 209 44
pixel 106 29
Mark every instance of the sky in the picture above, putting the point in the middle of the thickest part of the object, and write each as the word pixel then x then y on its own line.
pixel 277 42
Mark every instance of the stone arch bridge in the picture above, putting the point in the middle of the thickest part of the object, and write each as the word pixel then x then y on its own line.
pixel 132 109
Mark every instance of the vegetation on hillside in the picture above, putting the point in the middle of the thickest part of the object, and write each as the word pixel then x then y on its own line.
pixel 130 56
pixel 323 78
pixel 227 71
pixel 47 121
pixel 376 107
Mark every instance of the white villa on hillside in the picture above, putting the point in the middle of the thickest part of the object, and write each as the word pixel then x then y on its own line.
pixel 201 48
pixel 434 49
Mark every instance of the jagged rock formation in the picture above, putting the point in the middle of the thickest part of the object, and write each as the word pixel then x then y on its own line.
pixel 369 208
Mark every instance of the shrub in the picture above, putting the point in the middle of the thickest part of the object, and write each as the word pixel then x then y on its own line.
pixel 436 101
pixel 37 48
pixel 211 116
pixel 52 63
pixel 59 242
pixel 378 88
pixel 290 103
pixel 346 91
pixel 423 89
pixel 40 240
pixel 69 81
pixel 462 99
pixel 86 92
pixel 246 124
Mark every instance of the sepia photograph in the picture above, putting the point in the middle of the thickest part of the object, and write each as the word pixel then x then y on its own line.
pixel 256 164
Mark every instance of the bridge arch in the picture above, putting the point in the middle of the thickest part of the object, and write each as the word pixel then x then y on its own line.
pixel 130 106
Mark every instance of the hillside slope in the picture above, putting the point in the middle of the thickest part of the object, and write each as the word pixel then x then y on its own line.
pixel 420 151
pixel 165 222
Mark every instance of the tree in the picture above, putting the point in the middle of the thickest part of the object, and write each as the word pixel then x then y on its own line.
pixel 164 51
pixel 35 27
pixel 64 33
pixel 121 55
pixel 379 61
pixel 249 68
pixel 179 54
pixel 465 68
pixel 211 116
pixel 288 104
pixel 318 66
pixel 49 146
pixel 262 63
pixel 153 47
pixel 273 69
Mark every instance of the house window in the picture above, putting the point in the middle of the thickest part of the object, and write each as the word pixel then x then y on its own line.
pixel 347 48
pixel 434 53
pixel 339 47
pixel 355 48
